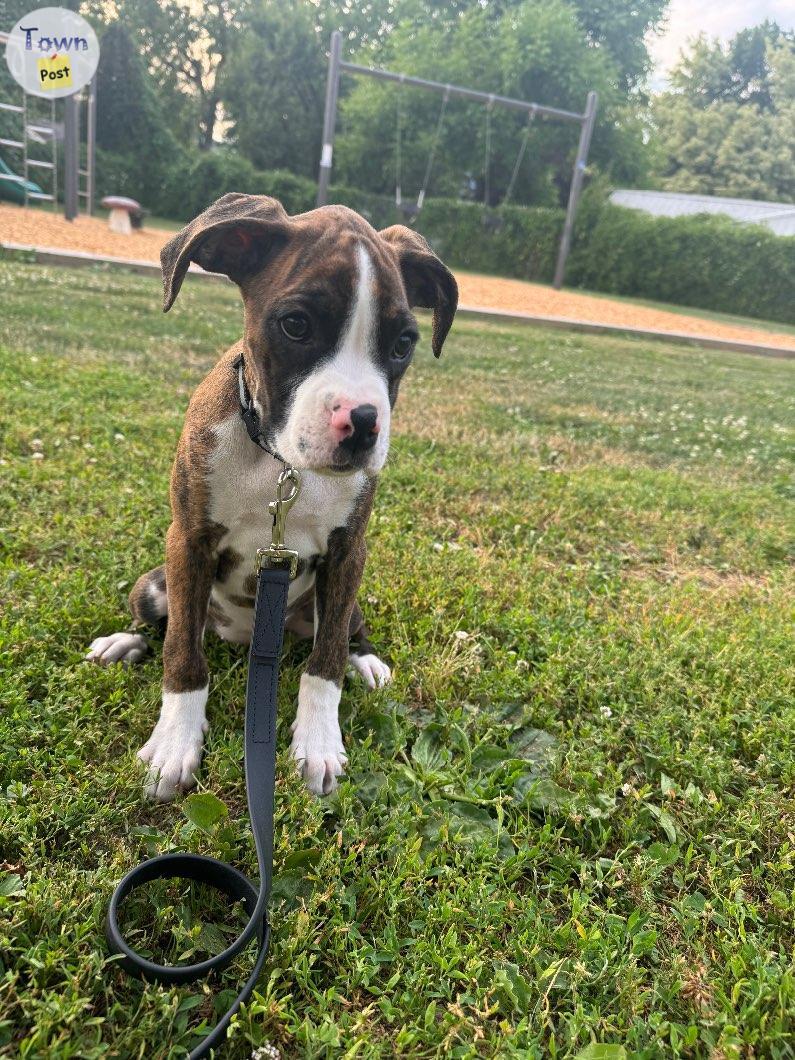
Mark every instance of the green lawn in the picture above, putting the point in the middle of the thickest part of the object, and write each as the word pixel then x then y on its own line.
pixel 568 821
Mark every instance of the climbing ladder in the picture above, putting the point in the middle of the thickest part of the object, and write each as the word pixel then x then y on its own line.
pixel 40 130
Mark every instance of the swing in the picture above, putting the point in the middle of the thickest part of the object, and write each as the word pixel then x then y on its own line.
pixel 492 221
pixel 411 210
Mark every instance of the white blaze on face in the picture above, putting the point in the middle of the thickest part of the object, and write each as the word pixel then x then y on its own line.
pixel 350 376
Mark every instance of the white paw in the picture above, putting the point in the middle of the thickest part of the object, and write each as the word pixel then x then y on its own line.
pixel 174 749
pixel 374 672
pixel 317 741
pixel 124 648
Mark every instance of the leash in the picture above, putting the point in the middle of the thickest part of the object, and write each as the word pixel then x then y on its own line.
pixel 276 566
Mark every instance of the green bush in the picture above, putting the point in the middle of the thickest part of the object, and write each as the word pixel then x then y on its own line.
pixel 122 174
pixel 193 180
pixel 513 241
pixel 706 261
pixel 197 179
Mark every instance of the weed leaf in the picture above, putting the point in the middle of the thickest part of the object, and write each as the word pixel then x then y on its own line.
pixel 204 810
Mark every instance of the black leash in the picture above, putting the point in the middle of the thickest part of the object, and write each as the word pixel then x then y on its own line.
pixel 276 565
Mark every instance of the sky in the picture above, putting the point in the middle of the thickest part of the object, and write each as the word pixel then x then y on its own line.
pixel 716 18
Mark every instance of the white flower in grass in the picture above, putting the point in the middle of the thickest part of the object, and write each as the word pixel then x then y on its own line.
pixel 266 1052
pixel 461 634
pixel 606 712
pixel 118 437
pixel 38 455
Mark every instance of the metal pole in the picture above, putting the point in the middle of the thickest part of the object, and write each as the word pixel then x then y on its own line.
pixel 25 145
pixel 70 158
pixel 329 117
pixel 580 163
pixel 54 142
pixel 91 145
pixel 463 93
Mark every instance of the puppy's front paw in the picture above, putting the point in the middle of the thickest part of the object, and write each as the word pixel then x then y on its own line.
pixel 317 741
pixel 173 751
pixel 372 670
pixel 124 648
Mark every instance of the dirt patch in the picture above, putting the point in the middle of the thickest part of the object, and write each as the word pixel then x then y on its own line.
pixel 91 235
pixel 491 292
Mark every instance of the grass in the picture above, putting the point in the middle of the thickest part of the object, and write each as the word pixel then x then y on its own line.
pixel 568 822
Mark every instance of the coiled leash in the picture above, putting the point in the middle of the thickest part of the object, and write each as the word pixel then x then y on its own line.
pixel 276 566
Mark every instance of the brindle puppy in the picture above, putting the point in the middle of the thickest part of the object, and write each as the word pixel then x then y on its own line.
pixel 328 335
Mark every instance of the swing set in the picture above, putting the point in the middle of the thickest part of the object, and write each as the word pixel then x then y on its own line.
pixel 411 209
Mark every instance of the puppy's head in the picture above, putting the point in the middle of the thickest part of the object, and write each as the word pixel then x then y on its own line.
pixel 329 330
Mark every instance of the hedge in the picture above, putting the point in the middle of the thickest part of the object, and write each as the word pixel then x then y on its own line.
pixel 517 241
pixel 704 260
pixel 524 245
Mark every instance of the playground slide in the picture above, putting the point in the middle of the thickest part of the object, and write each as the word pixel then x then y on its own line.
pixel 14 190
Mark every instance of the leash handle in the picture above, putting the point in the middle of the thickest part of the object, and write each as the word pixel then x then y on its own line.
pixel 273 582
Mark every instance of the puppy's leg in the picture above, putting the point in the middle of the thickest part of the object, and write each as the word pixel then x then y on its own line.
pixel 173 751
pixel 317 741
pixel 362 655
pixel 149 607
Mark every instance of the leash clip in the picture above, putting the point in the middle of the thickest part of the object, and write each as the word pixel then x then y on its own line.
pixel 277 554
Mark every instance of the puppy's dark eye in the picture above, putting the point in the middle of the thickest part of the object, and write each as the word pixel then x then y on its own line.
pixel 403 346
pixel 295 326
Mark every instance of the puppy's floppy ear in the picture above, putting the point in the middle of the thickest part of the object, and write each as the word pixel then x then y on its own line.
pixel 428 282
pixel 233 236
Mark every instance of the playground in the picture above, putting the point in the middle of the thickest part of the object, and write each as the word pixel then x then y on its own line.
pixel 90 235
pixel 565 829
pixel 567 821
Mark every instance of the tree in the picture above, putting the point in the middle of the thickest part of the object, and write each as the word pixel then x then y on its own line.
pixel 533 50
pixel 739 72
pixel 727 127
pixel 623 28
pixel 136 147
pixel 273 86
pixel 185 46
pixel 128 108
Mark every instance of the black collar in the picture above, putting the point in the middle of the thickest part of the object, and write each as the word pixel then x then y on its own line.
pixel 249 414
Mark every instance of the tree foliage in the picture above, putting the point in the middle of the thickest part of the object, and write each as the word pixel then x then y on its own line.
pixel 185 46
pixel 251 74
pixel 274 84
pixel 727 127
pixel 531 50
pixel 622 27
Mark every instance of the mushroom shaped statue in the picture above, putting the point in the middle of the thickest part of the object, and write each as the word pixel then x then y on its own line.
pixel 122 212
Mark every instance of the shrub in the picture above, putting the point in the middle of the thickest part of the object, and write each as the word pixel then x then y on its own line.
pixel 513 241
pixel 704 260
pixel 197 179
pixel 523 244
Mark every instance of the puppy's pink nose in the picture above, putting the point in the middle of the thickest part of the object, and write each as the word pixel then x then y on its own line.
pixel 341 420
pixel 359 422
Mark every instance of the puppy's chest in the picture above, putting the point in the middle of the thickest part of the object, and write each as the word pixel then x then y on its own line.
pixel 240 492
